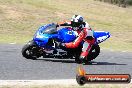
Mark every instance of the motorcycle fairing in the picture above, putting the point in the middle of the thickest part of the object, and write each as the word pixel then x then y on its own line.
pixel 101 36
pixel 44 33
pixel 66 35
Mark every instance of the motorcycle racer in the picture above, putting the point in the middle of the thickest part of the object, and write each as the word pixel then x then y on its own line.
pixel 84 33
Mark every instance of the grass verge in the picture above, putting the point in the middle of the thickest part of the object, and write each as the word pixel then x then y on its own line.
pixel 20 19
pixel 72 86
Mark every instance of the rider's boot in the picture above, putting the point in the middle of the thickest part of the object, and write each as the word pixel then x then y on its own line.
pixel 82 59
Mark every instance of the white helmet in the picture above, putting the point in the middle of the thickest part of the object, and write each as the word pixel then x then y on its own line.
pixel 76 21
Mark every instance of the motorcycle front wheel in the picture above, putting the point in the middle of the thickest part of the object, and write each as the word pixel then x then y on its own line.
pixel 29 51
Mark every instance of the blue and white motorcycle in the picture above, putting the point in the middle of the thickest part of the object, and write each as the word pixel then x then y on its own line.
pixel 44 44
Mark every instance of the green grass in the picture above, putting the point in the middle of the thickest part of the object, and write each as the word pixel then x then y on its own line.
pixel 19 19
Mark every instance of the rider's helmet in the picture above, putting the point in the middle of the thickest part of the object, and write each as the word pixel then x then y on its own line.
pixel 76 21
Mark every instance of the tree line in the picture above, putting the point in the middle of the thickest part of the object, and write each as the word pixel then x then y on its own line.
pixel 120 3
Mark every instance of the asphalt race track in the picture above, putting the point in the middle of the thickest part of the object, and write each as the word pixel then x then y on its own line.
pixel 15 67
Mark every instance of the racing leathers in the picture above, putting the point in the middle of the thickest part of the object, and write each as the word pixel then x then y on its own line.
pixel 85 34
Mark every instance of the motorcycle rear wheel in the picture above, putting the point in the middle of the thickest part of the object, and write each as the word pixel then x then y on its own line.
pixel 93 53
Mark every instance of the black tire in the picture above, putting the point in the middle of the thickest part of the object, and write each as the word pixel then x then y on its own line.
pixel 81 80
pixel 93 53
pixel 77 60
pixel 27 50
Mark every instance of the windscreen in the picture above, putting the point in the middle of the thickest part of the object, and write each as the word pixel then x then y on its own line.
pixel 50 29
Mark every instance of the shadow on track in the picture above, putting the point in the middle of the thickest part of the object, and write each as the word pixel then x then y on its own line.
pixel 59 60
pixel 73 61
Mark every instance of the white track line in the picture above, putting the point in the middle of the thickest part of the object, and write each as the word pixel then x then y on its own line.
pixel 39 82
pixel 12 43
